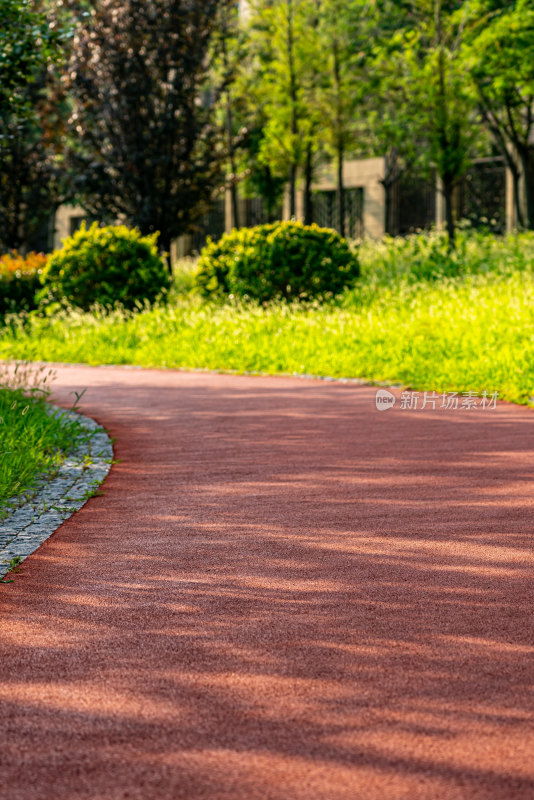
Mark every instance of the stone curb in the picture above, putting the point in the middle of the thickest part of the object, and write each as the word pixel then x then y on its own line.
pixel 82 472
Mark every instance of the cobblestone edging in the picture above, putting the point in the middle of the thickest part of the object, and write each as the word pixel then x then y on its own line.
pixel 78 477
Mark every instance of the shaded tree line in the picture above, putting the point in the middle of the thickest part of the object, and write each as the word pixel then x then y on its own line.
pixel 143 110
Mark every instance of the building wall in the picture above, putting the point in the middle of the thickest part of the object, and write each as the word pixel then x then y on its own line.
pixel 365 174
pixel 68 219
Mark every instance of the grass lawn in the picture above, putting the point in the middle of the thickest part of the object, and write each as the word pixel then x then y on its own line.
pixel 33 443
pixel 418 317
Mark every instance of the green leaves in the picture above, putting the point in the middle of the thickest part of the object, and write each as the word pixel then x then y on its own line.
pixel 283 60
pixel 286 260
pixel 500 43
pixel 28 41
pixel 106 266
pixel 424 95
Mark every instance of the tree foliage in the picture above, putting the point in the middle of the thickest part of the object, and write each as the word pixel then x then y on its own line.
pixel 426 82
pixel 169 100
pixel 29 39
pixel 500 63
pixel 281 68
pixel 30 121
pixel 144 146
pixel 31 182
pixel 342 81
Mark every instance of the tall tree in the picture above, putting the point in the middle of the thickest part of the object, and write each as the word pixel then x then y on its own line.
pixel 31 37
pixel 144 144
pixel 258 178
pixel 427 55
pixel 501 41
pixel 31 174
pixel 282 57
pixel 389 126
pixel 227 50
pixel 343 39
pixel 241 114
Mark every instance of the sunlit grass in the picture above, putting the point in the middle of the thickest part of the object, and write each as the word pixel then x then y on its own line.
pixel 417 317
pixel 33 442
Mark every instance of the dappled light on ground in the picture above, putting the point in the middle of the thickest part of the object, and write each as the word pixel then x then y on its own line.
pixel 282 594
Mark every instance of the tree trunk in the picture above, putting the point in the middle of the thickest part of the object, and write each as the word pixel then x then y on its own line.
pixel 447 142
pixel 234 204
pixel 231 158
pixel 340 187
pixel 230 132
pixel 526 155
pixel 270 196
pixel 14 238
pixel 340 144
pixel 292 191
pixel 448 192
pixel 388 213
pixel 294 110
pixel 502 138
pixel 516 183
pixel 164 244
pixel 308 202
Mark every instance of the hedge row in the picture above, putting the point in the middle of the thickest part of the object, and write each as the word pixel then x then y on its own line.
pixel 117 265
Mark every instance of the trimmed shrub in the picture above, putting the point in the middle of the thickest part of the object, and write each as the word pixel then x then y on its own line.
pixel 20 281
pixel 286 260
pixel 107 266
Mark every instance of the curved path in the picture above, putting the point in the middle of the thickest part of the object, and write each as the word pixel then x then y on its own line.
pixel 283 594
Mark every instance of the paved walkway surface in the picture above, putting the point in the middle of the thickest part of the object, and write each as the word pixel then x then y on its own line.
pixel 283 595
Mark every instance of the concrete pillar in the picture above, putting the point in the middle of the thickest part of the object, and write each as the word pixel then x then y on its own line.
pixel 300 205
pixel 63 222
pixel 440 205
pixel 181 247
pixel 286 205
pixel 228 215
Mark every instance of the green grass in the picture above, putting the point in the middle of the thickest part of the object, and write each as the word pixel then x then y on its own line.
pixel 33 443
pixel 418 317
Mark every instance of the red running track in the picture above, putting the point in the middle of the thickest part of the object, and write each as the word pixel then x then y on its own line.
pixel 283 595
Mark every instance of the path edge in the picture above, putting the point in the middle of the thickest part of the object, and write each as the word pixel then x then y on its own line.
pixel 57 499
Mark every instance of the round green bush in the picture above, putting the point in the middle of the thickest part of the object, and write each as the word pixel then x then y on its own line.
pixel 107 266
pixel 286 260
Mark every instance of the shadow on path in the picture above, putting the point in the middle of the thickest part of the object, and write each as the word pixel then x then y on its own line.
pixel 282 594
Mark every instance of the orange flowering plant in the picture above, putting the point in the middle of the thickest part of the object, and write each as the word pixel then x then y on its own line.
pixel 19 280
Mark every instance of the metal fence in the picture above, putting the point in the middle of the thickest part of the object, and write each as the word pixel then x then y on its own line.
pixel 326 211
pixel 414 205
pixel 482 194
pixel 479 198
pixel 210 224
pixel 254 212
